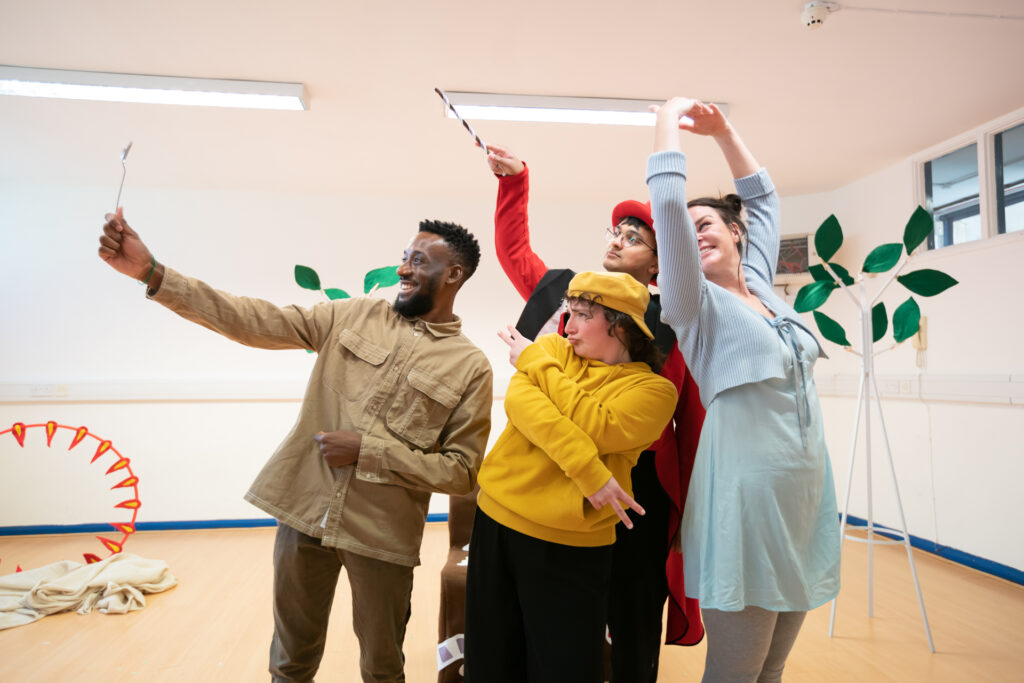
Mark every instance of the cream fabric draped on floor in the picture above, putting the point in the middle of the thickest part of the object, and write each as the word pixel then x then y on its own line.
pixel 115 585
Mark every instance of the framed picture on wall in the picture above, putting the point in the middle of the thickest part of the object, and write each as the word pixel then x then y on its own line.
pixel 796 255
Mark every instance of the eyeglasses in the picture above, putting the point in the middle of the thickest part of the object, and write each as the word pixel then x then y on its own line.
pixel 628 238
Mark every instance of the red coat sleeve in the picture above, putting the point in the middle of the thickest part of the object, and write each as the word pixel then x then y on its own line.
pixel 512 234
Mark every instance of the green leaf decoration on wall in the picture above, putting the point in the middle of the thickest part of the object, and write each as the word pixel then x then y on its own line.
pixel 333 294
pixel 306 277
pixel 831 330
pixel 828 238
pixel 879 322
pixel 813 295
pixel 906 320
pixel 883 257
pixel 918 228
pixel 819 273
pixel 381 277
pixel 926 282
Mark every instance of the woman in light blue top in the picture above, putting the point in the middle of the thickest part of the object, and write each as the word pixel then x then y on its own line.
pixel 760 533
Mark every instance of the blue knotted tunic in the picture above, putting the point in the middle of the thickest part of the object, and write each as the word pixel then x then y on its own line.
pixel 760 524
pixel 760 527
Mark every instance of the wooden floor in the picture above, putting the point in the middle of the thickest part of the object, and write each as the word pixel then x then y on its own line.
pixel 216 625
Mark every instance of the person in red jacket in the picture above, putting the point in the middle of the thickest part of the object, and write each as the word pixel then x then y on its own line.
pixel 645 571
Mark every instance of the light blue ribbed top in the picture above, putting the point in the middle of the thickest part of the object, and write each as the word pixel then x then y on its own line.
pixel 725 342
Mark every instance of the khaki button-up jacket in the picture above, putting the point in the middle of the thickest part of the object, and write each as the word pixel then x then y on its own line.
pixel 419 393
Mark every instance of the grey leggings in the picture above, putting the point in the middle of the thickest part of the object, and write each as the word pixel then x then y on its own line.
pixel 749 645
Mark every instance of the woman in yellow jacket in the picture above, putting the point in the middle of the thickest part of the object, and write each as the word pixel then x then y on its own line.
pixel 580 411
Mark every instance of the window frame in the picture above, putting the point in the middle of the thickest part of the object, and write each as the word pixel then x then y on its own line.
pixel 1016 191
pixel 989 205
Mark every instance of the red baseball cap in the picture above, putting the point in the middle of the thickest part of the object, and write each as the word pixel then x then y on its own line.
pixel 632 207
pixel 641 210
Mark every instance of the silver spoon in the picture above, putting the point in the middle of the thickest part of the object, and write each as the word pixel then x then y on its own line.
pixel 124 172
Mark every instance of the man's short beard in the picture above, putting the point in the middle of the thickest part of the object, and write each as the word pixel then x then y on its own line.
pixel 413 307
pixel 422 301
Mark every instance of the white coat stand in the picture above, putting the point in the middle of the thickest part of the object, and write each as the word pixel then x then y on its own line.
pixel 869 387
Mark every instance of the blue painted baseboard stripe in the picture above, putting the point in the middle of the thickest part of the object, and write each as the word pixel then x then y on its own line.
pixel 43 529
pixel 960 557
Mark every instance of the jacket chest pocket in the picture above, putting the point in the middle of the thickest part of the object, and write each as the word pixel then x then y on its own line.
pixel 361 362
pixel 419 414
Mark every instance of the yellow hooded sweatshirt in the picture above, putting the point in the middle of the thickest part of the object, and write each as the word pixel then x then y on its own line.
pixel 573 423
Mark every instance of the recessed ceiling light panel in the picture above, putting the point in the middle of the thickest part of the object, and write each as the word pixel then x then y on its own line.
pixel 111 87
pixel 555 109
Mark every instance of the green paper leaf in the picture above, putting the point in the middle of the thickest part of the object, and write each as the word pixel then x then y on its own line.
pixel 843 274
pixel 813 295
pixel 883 257
pixel 926 282
pixel 879 322
pixel 906 320
pixel 831 330
pixel 333 294
pixel 382 277
pixel 918 228
pixel 821 275
pixel 828 238
pixel 307 278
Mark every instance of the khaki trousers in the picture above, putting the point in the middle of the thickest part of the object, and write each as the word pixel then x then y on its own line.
pixel 305 577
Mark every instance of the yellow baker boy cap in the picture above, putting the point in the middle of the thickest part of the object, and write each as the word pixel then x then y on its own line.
pixel 617 291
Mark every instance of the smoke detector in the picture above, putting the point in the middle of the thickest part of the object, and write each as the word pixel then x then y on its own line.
pixel 816 12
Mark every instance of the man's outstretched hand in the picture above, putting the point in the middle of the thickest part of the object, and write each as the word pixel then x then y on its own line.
pixel 122 249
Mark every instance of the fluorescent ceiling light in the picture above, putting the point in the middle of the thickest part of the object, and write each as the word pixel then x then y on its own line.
pixel 108 87
pixel 555 109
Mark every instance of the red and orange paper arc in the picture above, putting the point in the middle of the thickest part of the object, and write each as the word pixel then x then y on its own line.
pixel 19 431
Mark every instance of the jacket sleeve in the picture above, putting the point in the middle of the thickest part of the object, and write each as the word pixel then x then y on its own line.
pixel 632 419
pixel 451 467
pixel 512 234
pixel 253 322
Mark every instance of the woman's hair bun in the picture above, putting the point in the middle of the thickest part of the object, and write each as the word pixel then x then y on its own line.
pixel 734 202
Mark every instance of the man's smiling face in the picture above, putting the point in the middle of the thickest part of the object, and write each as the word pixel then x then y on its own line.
pixel 424 265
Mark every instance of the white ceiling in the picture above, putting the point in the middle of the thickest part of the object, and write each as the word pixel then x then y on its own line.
pixel 820 108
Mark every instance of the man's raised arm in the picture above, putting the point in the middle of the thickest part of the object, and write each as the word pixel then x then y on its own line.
pixel 511 221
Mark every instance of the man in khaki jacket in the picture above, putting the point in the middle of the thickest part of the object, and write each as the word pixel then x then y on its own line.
pixel 397 406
